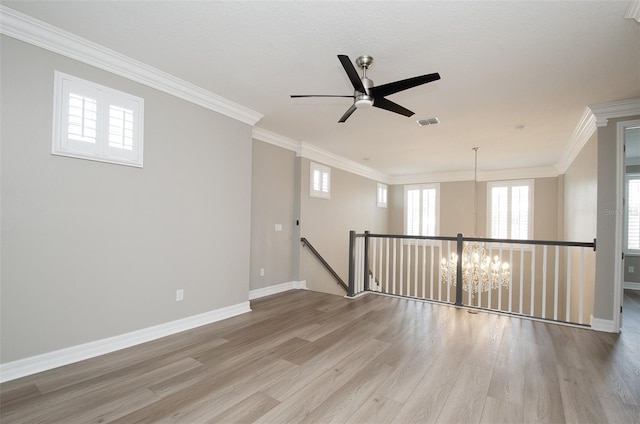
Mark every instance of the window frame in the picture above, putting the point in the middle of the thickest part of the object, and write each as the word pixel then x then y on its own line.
pixel 628 177
pixel 382 195
pixel 422 187
pixel 510 184
pixel 101 149
pixel 324 170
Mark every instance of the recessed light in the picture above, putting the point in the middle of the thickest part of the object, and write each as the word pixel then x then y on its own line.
pixel 428 121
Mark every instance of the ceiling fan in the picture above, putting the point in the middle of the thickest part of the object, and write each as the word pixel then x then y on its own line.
pixel 366 94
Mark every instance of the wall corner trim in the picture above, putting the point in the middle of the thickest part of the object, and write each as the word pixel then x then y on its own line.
pixel 633 11
pixel 35 364
pixel 584 130
pixel 275 139
pixel 617 109
pixel 604 325
pixel 317 154
pixel 278 288
pixel 33 31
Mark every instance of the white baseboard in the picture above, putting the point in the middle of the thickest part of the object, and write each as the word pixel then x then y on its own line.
pixel 35 364
pixel 605 325
pixel 632 286
pixel 278 288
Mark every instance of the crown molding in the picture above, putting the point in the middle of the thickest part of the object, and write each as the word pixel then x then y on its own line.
pixel 275 139
pixel 33 31
pixel 581 134
pixel 618 109
pixel 432 177
pixel 496 175
pixel 312 152
pixel 519 173
pixel 633 11
pixel 309 151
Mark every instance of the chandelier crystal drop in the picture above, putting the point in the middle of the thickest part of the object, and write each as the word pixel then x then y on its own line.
pixel 480 272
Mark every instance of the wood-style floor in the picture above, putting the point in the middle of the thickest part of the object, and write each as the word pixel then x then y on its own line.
pixel 302 356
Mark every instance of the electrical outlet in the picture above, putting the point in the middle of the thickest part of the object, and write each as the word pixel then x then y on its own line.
pixel 262 272
pixel 631 270
pixel 179 295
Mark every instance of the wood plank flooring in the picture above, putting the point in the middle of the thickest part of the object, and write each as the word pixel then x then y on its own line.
pixel 302 356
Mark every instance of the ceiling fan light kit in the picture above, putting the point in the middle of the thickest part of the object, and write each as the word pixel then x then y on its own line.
pixel 366 95
pixel 364 102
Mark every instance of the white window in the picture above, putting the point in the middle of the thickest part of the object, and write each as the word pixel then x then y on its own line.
pixel 94 122
pixel 320 181
pixel 421 205
pixel 382 195
pixel 510 209
pixel 633 213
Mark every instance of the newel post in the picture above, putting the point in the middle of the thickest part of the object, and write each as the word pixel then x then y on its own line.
pixel 352 263
pixel 459 248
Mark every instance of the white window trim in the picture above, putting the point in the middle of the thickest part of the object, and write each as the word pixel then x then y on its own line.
pixel 531 184
pixel 323 169
pixel 62 145
pixel 382 203
pixel 435 186
pixel 629 176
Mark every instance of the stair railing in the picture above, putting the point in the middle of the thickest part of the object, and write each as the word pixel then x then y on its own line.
pixel 328 267
pixel 548 280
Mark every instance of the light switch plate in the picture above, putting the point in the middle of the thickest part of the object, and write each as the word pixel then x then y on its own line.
pixel 278 227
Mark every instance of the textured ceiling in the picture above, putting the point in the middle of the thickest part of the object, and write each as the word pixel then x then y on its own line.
pixel 503 64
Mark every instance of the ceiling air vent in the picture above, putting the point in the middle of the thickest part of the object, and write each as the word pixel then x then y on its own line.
pixel 429 121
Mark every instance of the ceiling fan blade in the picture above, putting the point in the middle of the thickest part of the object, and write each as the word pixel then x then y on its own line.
pixel 352 73
pixel 386 104
pixel 348 113
pixel 394 87
pixel 297 96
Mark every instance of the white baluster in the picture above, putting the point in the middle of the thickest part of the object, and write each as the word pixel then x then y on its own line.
pixel 555 285
pixel 544 281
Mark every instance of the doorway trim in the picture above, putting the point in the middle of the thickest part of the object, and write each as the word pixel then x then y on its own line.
pixel 619 239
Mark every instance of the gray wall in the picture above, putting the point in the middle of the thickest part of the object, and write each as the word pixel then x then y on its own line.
pixel 272 202
pixel 632 261
pixel 326 224
pixel 92 250
pixel 606 261
pixel 580 215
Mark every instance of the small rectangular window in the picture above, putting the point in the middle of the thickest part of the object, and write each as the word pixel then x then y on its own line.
pixel 510 210
pixel 382 195
pixel 422 210
pixel 320 181
pixel 633 213
pixel 91 121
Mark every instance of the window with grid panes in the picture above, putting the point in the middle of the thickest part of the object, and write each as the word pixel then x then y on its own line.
pixel 422 209
pixel 95 122
pixel 510 210
pixel 633 213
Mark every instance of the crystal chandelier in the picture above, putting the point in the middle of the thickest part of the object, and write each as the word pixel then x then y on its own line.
pixel 479 271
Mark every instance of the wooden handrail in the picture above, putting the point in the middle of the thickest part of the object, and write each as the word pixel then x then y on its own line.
pixel 325 263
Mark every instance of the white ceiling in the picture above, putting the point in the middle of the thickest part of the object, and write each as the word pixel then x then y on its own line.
pixel 503 64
